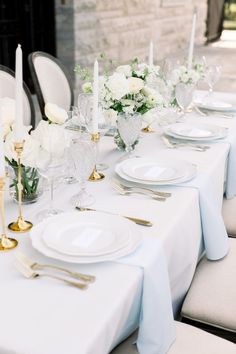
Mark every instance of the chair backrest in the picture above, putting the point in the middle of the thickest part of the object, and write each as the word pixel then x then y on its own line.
pixel 7 89
pixel 51 81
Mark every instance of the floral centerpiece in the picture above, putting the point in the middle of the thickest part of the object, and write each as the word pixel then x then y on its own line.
pixel 128 90
pixel 183 75
pixel 39 144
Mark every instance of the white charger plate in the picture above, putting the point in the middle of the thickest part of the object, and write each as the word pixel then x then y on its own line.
pixel 86 234
pixel 38 243
pixel 189 171
pixel 195 131
pixel 152 170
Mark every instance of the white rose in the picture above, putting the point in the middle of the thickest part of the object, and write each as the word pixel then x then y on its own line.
pixel 51 137
pixel 128 109
pixel 194 75
pixel 135 84
pixel 124 69
pixel 142 70
pixel 118 85
pixel 7 110
pixel 185 78
pixel 30 154
pixel 55 114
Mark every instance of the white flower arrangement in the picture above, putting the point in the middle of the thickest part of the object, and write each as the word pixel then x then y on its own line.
pixel 184 75
pixel 127 90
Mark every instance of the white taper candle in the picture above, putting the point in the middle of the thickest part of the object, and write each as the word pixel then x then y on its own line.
pixel 191 43
pixel 150 58
pixel 19 97
pixel 95 98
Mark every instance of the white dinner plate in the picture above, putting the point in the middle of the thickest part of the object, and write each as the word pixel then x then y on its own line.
pixel 86 234
pixel 220 101
pixel 189 172
pixel 152 170
pixel 195 131
pixel 38 243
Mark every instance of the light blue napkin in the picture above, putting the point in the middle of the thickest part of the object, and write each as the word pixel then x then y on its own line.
pixel 156 326
pixel 210 200
pixel 230 190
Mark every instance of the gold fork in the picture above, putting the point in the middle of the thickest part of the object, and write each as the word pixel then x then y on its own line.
pixel 37 266
pixel 124 191
pixel 29 273
pixel 143 189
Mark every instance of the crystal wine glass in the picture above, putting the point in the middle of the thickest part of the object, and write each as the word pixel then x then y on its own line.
pixel 129 127
pixel 72 131
pixel 54 170
pixel 83 154
pixel 213 73
pixel 184 96
pixel 85 106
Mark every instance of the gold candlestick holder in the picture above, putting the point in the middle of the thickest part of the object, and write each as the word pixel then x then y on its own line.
pixel 5 242
pixel 95 175
pixel 148 129
pixel 20 225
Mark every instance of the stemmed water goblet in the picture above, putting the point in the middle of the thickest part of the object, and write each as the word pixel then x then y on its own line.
pixel 83 155
pixel 52 172
pixel 184 97
pixel 129 127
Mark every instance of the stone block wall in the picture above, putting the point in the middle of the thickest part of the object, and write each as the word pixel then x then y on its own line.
pixel 123 29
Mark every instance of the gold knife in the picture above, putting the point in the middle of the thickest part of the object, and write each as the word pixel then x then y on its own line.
pixel 136 220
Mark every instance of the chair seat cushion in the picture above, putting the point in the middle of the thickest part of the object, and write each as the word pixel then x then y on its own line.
pixel 189 340
pixel 229 215
pixel 211 298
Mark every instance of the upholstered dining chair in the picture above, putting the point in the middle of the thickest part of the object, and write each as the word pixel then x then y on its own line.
pixel 229 216
pixel 210 301
pixel 188 340
pixel 7 89
pixel 51 81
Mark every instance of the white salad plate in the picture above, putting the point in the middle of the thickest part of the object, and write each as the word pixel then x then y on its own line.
pixel 195 131
pixel 220 101
pixel 187 169
pixel 134 237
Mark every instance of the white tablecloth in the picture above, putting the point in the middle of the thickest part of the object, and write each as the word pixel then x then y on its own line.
pixel 47 317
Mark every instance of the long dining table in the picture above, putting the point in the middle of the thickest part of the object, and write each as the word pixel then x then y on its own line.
pixel 44 316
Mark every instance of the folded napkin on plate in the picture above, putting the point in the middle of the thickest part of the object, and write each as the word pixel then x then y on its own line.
pixel 55 114
pixel 156 326
pixel 194 132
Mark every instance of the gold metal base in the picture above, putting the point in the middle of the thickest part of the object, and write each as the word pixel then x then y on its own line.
pixel 20 225
pixel 7 244
pixel 148 129
pixel 96 176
